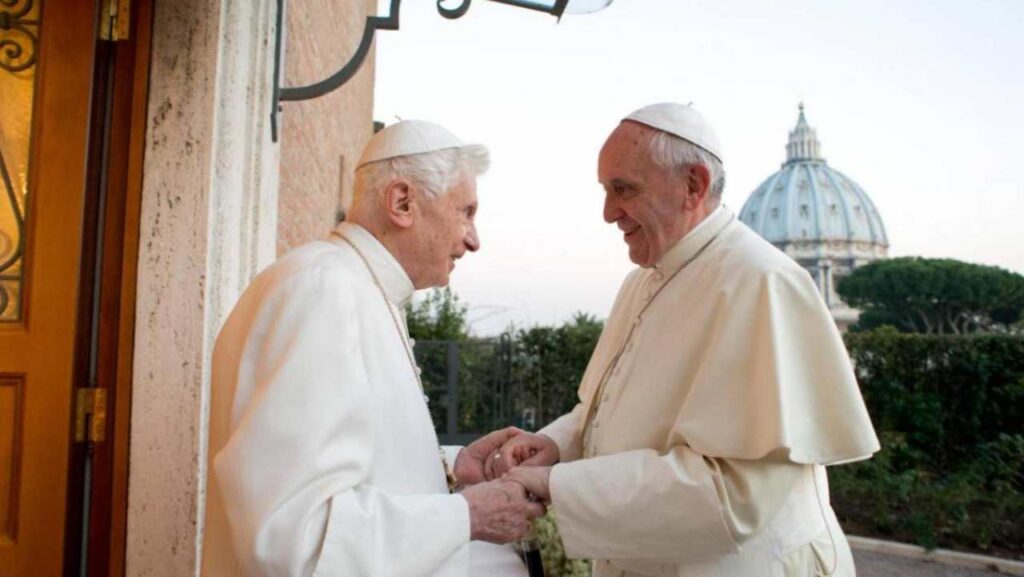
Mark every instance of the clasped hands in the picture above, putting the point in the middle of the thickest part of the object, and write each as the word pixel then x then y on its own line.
pixel 504 476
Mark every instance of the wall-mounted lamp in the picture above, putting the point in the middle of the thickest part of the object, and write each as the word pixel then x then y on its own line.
pixel 390 22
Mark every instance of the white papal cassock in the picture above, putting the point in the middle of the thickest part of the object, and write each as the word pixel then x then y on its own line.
pixel 708 435
pixel 323 458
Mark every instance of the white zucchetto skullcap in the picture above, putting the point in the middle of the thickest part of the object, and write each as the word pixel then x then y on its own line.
pixel 406 138
pixel 680 120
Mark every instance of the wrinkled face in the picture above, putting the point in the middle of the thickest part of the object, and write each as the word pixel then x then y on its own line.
pixel 641 198
pixel 447 229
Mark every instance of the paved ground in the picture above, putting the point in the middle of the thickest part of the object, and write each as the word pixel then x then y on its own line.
pixel 880 565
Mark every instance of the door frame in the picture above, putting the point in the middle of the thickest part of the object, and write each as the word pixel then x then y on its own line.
pixel 106 322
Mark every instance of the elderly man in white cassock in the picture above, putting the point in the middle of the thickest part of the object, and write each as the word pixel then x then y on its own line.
pixel 323 457
pixel 717 393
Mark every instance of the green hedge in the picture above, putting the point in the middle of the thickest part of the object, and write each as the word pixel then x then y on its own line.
pixel 949 411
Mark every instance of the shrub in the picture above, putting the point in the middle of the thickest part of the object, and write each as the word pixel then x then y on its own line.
pixel 950 418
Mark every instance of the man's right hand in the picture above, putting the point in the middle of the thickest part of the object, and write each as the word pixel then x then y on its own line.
pixel 522 450
pixel 499 511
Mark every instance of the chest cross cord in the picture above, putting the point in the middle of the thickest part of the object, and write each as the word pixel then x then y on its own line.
pixel 449 475
pixel 595 402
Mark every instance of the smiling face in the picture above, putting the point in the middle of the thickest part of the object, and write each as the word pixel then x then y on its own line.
pixel 647 202
pixel 446 229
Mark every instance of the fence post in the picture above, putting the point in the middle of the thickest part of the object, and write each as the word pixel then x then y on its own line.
pixel 505 382
pixel 453 389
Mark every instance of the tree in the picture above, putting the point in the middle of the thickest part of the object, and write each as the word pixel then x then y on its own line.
pixel 439 317
pixel 934 296
pixel 548 364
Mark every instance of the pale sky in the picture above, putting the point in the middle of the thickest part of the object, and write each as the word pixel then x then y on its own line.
pixel 919 102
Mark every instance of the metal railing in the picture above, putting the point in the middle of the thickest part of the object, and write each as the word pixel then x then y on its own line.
pixel 470 388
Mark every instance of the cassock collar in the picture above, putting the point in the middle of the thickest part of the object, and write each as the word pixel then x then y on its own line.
pixel 691 243
pixel 392 276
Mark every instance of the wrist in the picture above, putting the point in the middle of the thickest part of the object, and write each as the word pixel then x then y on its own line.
pixel 472 510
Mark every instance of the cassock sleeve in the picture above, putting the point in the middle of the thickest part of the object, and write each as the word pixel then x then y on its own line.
pixel 564 431
pixel 752 492
pixel 639 505
pixel 293 472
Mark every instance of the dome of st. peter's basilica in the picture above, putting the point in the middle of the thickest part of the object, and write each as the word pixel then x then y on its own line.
pixel 818 216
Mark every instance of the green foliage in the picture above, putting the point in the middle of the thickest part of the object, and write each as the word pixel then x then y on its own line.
pixel 556 564
pixel 935 296
pixel 479 367
pixel 950 416
pixel 548 365
pixel 947 394
pixel 439 317
pixel 525 377
pixel 977 505
pixel 439 324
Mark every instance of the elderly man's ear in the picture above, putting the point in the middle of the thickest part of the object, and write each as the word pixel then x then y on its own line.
pixel 698 181
pixel 399 199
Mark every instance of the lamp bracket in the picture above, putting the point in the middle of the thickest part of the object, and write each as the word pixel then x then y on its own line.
pixel 373 24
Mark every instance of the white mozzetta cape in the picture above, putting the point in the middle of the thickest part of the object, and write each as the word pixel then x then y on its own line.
pixel 705 453
pixel 324 460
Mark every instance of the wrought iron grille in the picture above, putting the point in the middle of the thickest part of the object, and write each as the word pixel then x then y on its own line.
pixel 19 45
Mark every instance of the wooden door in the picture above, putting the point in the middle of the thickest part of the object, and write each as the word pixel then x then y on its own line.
pixel 46 72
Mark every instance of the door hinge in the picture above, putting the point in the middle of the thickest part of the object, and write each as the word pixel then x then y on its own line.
pixel 115 20
pixel 91 415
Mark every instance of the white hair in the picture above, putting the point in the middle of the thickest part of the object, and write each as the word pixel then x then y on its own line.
pixel 677 155
pixel 433 172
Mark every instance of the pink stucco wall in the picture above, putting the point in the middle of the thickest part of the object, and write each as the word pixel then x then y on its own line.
pixel 322 138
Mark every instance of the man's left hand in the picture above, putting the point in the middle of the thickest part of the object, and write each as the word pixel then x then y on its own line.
pixel 469 465
pixel 534 479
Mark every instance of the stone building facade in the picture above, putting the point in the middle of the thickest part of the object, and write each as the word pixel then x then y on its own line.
pixel 220 200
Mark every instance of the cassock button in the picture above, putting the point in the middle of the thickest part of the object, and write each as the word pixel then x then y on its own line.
pixel 419 371
pixel 426 399
pixel 412 343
